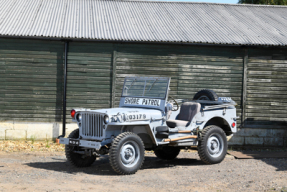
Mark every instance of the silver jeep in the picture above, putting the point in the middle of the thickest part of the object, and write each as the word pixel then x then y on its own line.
pixel 147 120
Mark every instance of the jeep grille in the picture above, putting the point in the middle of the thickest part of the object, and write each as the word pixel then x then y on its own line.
pixel 92 124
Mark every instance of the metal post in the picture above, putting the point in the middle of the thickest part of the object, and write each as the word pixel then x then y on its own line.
pixel 65 91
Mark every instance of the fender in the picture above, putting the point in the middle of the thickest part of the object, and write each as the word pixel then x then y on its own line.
pixel 223 120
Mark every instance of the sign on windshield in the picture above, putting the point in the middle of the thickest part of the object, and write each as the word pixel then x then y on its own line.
pixel 147 87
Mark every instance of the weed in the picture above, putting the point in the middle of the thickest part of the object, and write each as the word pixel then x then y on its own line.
pixel 33 138
pixel 47 142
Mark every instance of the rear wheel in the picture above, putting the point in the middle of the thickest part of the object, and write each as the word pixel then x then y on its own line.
pixel 76 159
pixel 212 145
pixel 127 153
pixel 167 153
pixel 206 94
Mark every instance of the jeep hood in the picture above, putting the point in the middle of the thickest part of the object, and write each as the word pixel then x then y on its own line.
pixel 149 113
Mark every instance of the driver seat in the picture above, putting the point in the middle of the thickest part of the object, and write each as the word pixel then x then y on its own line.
pixel 187 111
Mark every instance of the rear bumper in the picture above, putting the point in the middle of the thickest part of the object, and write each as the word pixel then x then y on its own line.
pixel 82 143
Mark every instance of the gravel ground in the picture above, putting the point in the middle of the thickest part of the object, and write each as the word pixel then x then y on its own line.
pixel 47 170
pixel 30 146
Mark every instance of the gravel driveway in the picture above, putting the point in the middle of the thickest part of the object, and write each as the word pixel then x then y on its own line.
pixel 46 171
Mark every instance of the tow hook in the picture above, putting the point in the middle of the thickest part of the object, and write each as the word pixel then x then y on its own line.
pixel 96 154
pixel 197 132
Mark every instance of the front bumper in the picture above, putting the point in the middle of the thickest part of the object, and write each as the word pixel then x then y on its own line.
pixel 81 143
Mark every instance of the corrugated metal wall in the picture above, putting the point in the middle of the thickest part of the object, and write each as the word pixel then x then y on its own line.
pixel 266 102
pixel 31 76
pixel 191 68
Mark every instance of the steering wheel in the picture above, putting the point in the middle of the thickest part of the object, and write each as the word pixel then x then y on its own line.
pixel 177 107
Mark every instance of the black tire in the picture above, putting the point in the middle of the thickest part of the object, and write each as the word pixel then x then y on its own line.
pixel 167 153
pixel 126 153
pixel 212 145
pixel 206 94
pixel 76 159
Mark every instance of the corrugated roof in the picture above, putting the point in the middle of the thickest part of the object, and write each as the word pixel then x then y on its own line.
pixel 145 21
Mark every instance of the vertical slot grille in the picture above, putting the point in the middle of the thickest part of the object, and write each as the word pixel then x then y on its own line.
pixel 92 124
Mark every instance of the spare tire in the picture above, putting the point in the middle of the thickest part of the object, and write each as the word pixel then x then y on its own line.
pixel 206 94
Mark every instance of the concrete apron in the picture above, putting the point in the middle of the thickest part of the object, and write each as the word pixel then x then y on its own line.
pixel 10 130
pixel 259 137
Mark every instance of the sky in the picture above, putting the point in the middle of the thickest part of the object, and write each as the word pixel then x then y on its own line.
pixel 209 1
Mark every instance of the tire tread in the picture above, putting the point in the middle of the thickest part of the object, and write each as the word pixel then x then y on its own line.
pixel 202 146
pixel 113 152
pixel 88 161
pixel 210 93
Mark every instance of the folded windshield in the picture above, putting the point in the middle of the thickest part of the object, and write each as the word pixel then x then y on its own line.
pixel 145 87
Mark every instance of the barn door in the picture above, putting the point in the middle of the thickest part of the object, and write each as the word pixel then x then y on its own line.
pixel 266 101
pixel 31 75
pixel 89 76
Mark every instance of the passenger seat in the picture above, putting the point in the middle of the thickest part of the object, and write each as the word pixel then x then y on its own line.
pixel 187 111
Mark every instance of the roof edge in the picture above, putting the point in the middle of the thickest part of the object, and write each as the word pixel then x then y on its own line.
pixel 188 2
pixel 141 42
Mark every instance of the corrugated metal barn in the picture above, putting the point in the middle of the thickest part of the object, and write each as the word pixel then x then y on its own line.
pixel 239 51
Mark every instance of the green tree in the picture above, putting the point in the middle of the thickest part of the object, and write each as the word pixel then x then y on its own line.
pixel 265 2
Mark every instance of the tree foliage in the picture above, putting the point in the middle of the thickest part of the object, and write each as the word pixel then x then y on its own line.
pixel 265 2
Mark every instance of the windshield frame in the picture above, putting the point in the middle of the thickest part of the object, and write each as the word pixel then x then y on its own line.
pixel 145 79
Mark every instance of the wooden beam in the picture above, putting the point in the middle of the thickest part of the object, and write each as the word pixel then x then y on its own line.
pixel 244 87
pixel 181 138
pixel 187 131
pixel 114 77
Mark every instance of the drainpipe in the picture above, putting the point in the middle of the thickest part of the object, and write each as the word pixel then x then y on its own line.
pixel 65 91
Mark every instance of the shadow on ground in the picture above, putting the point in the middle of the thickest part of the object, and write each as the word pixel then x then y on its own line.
pixel 280 164
pixel 102 166
pixel 276 158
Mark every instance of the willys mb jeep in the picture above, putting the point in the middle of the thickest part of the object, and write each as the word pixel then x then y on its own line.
pixel 147 120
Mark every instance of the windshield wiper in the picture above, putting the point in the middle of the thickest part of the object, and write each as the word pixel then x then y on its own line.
pixel 131 84
pixel 152 85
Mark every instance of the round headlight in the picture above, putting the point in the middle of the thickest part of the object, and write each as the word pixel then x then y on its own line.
pixel 79 117
pixel 106 119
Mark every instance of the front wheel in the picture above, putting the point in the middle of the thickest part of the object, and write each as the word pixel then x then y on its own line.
pixel 76 159
pixel 212 145
pixel 126 153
